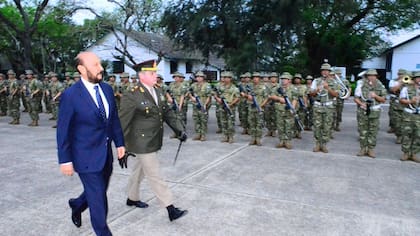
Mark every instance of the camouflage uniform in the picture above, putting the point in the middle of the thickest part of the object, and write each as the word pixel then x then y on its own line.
pixel 218 111
pixel 340 106
pixel 4 90
pixel 308 121
pixel 200 115
pixel 56 89
pixel 411 119
pixel 396 109
pixel 299 92
pixel 255 117
pixel 35 96
pixel 269 110
pixel 116 88
pixel 368 124
pixel 242 105
pixel 68 82
pixel 179 90
pixel 47 93
pixel 14 99
pixel 323 109
pixel 23 84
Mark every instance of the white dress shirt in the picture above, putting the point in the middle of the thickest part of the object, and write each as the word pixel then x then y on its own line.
pixel 153 93
pixel 91 89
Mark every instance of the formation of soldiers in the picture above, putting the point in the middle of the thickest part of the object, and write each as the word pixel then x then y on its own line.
pixel 284 104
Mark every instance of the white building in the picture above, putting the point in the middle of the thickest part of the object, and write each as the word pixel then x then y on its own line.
pixel 147 46
pixel 405 55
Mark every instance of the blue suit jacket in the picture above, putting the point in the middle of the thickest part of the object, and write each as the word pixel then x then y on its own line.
pixel 83 137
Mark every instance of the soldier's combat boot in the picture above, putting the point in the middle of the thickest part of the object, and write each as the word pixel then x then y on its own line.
pixel 414 158
pixel 258 142
pixel 371 153
pixel 405 157
pixel 230 139
pixel 362 152
pixel 52 118
pixel 14 122
pixel 203 138
pixel 245 131
pixel 198 137
pixel 317 147
pixel 324 148
pixel 34 123
pixel 225 139
pixel 280 145
pixel 287 145
pixel 252 142
pixel 398 141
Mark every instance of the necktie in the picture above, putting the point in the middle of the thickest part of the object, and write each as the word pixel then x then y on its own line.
pixel 153 92
pixel 101 106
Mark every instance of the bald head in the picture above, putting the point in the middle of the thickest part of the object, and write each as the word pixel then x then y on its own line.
pixel 89 67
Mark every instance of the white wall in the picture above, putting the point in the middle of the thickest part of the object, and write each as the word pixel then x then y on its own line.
pixel 406 57
pixel 375 63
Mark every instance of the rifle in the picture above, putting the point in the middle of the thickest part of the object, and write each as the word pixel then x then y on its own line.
pixel 289 106
pixel 368 105
pixel 254 100
pixel 199 104
pixel 224 103
pixel 175 106
pixel 305 109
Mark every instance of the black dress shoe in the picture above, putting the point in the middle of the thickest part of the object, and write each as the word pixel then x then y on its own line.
pixel 138 204
pixel 175 213
pixel 76 216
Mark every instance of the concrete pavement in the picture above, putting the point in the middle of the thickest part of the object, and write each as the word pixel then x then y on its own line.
pixel 228 189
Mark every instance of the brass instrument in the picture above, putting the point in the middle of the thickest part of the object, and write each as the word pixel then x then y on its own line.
pixel 344 91
pixel 407 79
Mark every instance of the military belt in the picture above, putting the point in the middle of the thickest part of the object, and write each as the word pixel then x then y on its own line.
pixel 323 104
pixel 412 111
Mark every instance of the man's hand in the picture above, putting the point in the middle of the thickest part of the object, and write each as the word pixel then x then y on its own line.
pixel 120 152
pixel 67 169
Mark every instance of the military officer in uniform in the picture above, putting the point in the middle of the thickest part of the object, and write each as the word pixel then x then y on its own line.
pixel 230 94
pixel 142 114
pixel 34 96
pixel 4 90
pixel 369 95
pixel 323 90
pixel 14 98
pixel 410 99
pixel 202 93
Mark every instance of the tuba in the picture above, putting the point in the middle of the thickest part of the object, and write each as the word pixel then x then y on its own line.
pixel 344 91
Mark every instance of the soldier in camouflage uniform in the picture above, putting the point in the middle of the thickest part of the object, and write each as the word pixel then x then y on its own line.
pixel 57 89
pixel 369 94
pixel 284 118
pixel 76 76
pixel 242 105
pixel 202 91
pixel 308 119
pixel 160 84
pixel 396 109
pixel 14 98
pixel 269 110
pixel 25 90
pixel 230 93
pixel 33 94
pixel 340 101
pixel 47 93
pixel 410 99
pixel 115 88
pixel 23 82
pixel 259 91
pixel 125 82
pixel 219 108
pixel 4 92
pixel 323 89
pixel 68 81
pixel 299 92
pixel 179 89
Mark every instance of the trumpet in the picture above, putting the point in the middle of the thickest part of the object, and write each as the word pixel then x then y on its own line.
pixel 407 79
pixel 344 91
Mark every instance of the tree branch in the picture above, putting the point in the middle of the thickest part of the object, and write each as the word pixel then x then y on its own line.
pixel 38 14
pixel 362 14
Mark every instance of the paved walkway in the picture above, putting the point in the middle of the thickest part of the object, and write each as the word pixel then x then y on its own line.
pixel 228 189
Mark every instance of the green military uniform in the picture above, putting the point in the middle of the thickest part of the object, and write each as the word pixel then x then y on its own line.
pixel 4 92
pixel 116 89
pixel 230 93
pixel 56 89
pixel 269 110
pixel 410 94
pixel 284 117
pixel 125 84
pixel 368 112
pixel 68 82
pixel 396 109
pixel 243 105
pixel 23 85
pixel 299 92
pixel 203 91
pixel 323 108
pixel 14 98
pixel 255 113
pixel 47 93
pixel 35 96
pixel 179 90
pixel 308 121
pixel 218 110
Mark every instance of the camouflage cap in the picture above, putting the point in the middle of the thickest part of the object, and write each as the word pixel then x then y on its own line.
pixel 246 75
pixel 326 66
pixel 11 72
pixel 274 74
pixel 256 74
pixel 159 76
pixel 200 74
pixel 22 76
pixel 371 72
pixel 67 74
pixel 402 72
pixel 332 72
pixel 53 74
pixel 309 77
pixel 416 74
pixel 29 72
pixel 76 75
pixel 133 76
pixel 297 75
pixel 111 75
pixel 124 75
pixel 286 75
pixel 227 74
pixel 178 74
pixel 338 71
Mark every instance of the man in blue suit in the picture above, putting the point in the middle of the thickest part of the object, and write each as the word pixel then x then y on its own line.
pixel 87 124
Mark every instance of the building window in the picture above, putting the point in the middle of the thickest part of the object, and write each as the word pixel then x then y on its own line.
pixel 117 67
pixel 174 66
pixel 210 75
pixel 188 67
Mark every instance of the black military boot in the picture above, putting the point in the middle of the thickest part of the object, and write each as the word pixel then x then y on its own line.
pixel 175 213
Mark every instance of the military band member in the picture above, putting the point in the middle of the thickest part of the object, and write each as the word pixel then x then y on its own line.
pixel 269 111
pixel 230 94
pixel 257 98
pixel 310 101
pixel 202 92
pixel 57 88
pixel 340 101
pixel 242 105
pixel 396 109
pixel 284 118
pixel 300 91
pixel 369 95
pixel 323 90
pixel 142 114
pixel 14 98
pixel 4 92
pixel 34 96
pixel 410 99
